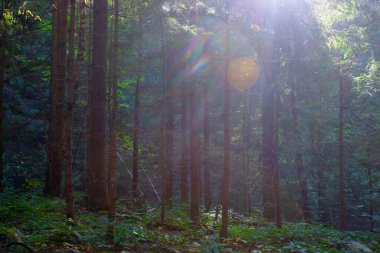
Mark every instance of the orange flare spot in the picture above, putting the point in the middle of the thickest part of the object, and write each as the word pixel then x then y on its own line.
pixel 242 73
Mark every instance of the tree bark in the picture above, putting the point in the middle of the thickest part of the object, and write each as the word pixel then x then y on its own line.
pixel 169 103
pixel 298 139
pixel 227 135
pixel 112 175
pixel 2 72
pixel 370 191
pixel 136 121
pixel 207 182
pixel 317 153
pixel 162 135
pixel 97 145
pixel 342 198
pixel 184 145
pixel 194 154
pixel 71 67
pixel 88 171
pixel 268 151
pixel 58 75
pixel 277 197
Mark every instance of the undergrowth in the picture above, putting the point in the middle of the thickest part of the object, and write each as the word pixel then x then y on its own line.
pixel 41 223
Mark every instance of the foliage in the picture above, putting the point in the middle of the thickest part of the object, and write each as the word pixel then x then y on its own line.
pixel 44 227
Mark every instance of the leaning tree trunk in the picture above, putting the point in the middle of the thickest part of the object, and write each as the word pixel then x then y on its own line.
pixel 97 99
pixel 58 75
pixel 112 178
pixel 226 145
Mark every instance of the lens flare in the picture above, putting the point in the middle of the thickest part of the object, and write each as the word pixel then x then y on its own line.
pixel 242 73
pixel 196 56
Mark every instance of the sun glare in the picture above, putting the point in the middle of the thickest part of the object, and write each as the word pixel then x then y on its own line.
pixel 242 73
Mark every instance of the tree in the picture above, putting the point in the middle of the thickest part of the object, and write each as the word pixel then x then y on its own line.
pixel 207 190
pixel 227 135
pixel 184 144
pixel 57 95
pixel 137 114
pixel 97 107
pixel 112 175
pixel 72 83
pixel 342 197
pixel 194 156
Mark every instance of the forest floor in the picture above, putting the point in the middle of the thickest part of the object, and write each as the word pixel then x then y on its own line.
pixel 41 224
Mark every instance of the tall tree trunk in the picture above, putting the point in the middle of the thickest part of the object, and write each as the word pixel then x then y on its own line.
pixel 162 134
pixel 206 148
pixel 194 157
pixel 298 139
pixel 88 171
pixel 370 189
pixel 246 133
pixel 317 153
pixel 226 123
pixel 2 71
pixel 97 129
pixel 184 145
pixel 58 75
pixel 277 199
pixel 169 102
pixel 342 198
pixel 71 67
pixel 269 211
pixel 136 117
pixel 112 178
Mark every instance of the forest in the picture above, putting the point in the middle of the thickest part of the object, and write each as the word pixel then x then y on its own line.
pixel 186 126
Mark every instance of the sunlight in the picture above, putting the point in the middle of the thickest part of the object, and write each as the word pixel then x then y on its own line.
pixel 243 73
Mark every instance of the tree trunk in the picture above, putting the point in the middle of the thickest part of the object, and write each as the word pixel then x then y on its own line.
pixel 71 67
pixel 162 135
pixel 370 189
pixel 112 178
pixel 206 148
pixel 136 117
pixel 169 102
pixel 97 130
pixel 269 211
pixel 194 155
pixel 58 75
pixel 2 71
pixel 226 145
pixel 89 173
pixel 184 145
pixel 342 198
pixel 298 139
pixel 277 199
pixel 246 133
pixel 317 153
